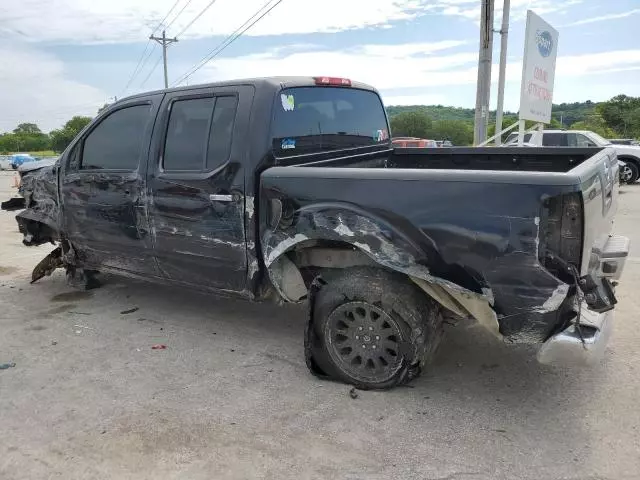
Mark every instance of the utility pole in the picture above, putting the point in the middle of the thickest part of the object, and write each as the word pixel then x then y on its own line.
pixel 165 42
pixel 504 32
pixel 483 92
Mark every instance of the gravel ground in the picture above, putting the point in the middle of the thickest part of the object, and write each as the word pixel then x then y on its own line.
pixel 231 398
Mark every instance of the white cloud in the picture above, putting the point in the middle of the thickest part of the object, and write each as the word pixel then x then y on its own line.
pixel 118 20
pixel 34 88
pixel 385 66
pixel 389 69
pixel 424 99
pixel 603 18
pixel 470 10
pixel 114 21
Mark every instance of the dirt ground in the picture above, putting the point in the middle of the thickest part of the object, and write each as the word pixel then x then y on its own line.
pixel 231 398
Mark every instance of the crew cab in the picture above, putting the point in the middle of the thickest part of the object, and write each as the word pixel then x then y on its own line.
pixel 289 189
pixel 628 154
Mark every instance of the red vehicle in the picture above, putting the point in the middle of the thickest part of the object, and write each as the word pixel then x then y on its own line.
pixel 413 142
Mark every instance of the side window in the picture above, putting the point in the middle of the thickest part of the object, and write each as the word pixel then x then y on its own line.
pixel 73 159
pixel 554 140
pixel 582 141
pixel 224 116
pixel 116 142
pixel 186 141
pixel 199 133
pixel 572 140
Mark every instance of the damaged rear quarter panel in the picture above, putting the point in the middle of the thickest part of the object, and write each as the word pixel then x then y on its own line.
pixel 478 238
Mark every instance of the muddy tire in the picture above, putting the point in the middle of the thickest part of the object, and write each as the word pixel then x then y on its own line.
pixel 370 328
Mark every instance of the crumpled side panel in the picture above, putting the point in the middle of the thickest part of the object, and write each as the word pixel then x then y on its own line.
pixel 39 222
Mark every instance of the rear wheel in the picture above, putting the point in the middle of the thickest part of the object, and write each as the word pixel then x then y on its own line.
pixel 372 328
pixel 630 172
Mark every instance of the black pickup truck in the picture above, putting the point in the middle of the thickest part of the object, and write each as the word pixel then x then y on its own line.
pixel 289 189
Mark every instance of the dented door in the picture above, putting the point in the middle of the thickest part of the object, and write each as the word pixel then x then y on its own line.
pixel 196 187
pixel 104 193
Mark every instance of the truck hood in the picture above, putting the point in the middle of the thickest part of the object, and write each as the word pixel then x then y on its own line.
pixel 37 165
pixel 627 149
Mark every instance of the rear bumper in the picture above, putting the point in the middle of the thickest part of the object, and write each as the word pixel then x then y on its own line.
pixel 587 345
pixel 570 347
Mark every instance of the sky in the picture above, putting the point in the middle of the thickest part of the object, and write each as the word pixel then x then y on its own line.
pixel 69 57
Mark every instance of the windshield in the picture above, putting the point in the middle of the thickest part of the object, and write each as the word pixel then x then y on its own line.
pixel 598 139
pixel 320 119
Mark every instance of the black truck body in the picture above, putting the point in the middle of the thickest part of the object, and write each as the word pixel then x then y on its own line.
pixel 285 187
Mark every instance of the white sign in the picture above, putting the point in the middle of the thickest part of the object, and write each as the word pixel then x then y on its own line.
pixel 538 69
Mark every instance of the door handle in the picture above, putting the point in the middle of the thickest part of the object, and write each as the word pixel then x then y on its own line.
pixel 221 198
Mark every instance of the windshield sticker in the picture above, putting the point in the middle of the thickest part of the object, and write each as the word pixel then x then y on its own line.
pixel 288 144
pixel 381 135
pixel 288 102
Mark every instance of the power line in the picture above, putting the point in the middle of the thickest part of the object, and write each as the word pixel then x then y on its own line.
pixel 153 69
pixel 196 17
pixel 167 16
pixel 140 65
pixel 179 13
pixel 229 40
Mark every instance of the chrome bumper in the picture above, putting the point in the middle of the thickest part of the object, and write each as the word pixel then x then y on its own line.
pixel 570 348
pixel 587 346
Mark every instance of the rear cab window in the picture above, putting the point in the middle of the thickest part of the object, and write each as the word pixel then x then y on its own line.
pixel 323 119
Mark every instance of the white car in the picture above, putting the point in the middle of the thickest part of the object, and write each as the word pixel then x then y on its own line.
pixel 629 154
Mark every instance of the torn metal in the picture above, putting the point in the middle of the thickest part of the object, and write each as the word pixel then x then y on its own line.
pixel 371 239
pixel 517 309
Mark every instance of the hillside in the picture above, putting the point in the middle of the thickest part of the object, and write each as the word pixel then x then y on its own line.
pixel 569 113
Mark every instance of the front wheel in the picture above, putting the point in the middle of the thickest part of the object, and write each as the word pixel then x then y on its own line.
pixel 372 328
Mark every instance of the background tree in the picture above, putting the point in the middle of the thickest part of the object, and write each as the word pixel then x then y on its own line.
pixel 411 124
pixel 25 137
pixel 63 137
pixel 595 123
pixel 458 132
pixel 27 129
pixel 621 114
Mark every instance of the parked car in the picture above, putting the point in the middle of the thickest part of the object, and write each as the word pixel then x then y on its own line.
pixel 444 143
pixel 625 141
pixel 275 188
pixel 412 142
pixel 18 159
pixel 5 162
pixel 629 154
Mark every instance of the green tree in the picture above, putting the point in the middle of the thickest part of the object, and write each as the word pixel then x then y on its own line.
pixel 411 124
pixel 622 114
pixel 27 129
pixel 9 142
pixel 63 137
pixel 458 132
pixel 595 123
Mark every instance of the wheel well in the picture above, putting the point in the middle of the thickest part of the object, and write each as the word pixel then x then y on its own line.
pixel 634 160
pixel 293 272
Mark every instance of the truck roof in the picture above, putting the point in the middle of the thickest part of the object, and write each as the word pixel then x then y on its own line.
pixel 263 83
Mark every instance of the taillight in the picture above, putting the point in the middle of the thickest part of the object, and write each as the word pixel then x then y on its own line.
pixel 344 82
pixel 561 229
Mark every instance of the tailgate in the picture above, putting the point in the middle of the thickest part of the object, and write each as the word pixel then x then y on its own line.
pixel 600 189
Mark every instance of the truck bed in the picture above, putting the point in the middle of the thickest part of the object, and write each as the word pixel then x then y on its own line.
pixel 476 216
pixel 512 159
